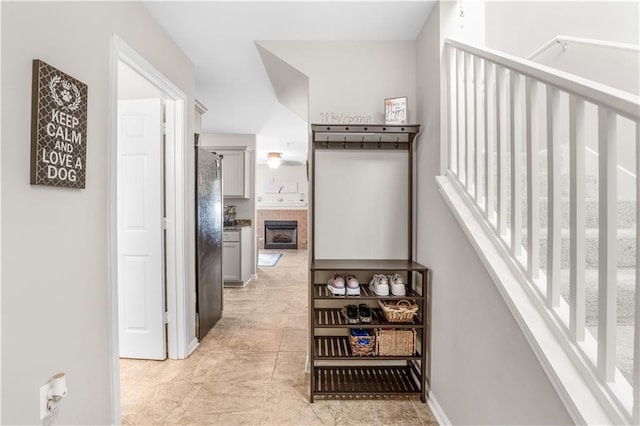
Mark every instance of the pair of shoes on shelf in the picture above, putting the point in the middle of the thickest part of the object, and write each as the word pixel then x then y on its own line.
pixel 353 286
pixel 397 285
pixel 357 314
pixel 380 285
pixel 339 285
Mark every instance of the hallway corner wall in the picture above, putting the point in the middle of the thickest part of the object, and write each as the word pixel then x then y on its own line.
pixel 483 371
pixel 55 241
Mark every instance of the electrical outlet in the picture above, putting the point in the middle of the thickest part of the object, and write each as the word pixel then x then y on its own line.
pixel 44 390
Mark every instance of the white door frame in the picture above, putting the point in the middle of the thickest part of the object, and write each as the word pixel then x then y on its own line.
pixel 1 234
pixel 177 333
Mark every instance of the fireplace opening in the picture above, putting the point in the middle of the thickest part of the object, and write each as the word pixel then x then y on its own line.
pixel 281 234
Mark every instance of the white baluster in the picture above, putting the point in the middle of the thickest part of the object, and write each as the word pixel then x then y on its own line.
pixel 477 120
pixel 607 267
pixel 450 75
pixel 533 182
pixel 501 143
pixel 468 117
pixel 515 97
pixel 489 137
pixel 554 187
pixel 577 214
pixel 636 330
pixel 460 114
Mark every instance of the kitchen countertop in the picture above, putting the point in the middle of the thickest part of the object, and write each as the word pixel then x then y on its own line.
pixel 240 223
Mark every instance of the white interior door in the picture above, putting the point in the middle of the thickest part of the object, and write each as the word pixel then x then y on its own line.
pixel 140 235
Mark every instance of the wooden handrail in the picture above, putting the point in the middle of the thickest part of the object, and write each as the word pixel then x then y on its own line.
pixel 619 101
pixel 564 41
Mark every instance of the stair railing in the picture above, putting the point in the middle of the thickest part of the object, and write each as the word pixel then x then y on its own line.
pixel 502 109
pixel 564 41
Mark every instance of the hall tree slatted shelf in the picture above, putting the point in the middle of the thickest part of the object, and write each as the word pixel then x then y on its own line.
pixel 335 371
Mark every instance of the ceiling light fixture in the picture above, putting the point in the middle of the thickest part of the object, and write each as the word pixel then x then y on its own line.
pixel 274 159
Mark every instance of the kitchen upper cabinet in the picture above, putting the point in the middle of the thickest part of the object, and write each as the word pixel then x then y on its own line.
pixel 235 173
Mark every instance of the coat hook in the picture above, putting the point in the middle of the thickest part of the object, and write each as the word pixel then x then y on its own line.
pixel 344 144
pixel 397 141
pixel 326 143
pixel 380 142
pixel 362 143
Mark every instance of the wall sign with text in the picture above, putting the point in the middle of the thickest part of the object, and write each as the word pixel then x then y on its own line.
pixel 58 128
pixel 395 110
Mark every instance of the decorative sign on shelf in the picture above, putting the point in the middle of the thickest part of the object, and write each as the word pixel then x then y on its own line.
pixel 58 128
pixel 273 187
pixel 395 110
pixel 342 118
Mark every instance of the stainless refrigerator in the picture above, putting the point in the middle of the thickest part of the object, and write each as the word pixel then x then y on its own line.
pixel 208 240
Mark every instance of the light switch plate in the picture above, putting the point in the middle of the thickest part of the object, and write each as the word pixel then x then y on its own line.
pixel 43 400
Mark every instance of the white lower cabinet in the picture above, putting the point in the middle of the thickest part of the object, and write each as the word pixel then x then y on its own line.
pixel 231 261
pixel 236 256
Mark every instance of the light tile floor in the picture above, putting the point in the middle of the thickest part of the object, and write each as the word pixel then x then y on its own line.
pixel 249 369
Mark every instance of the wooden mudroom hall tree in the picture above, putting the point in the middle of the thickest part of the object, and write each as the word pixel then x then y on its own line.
pixel 337 365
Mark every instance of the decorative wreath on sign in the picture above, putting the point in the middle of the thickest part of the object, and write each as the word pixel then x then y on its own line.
pixel 65 93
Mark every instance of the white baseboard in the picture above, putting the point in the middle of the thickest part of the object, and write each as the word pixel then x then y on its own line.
pixel 437 410
pixel 192 346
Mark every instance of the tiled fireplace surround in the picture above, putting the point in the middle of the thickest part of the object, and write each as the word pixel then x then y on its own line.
pixel 299 215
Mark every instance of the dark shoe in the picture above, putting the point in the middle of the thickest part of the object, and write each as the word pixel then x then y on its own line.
pixel 350 313
pixel 364 313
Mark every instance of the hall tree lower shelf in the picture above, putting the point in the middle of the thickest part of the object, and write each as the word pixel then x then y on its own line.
pixel 335 371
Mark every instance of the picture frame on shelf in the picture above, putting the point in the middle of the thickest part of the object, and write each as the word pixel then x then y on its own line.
pixel 395 110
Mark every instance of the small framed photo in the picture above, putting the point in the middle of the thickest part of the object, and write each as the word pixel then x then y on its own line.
pixel 395 110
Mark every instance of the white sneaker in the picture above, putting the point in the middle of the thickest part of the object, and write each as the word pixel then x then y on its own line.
pixel 336 285
pixel 379 285
pixel 353 286
pixel 397 285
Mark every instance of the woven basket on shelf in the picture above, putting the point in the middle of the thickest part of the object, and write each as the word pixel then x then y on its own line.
pixel 395 342
pixel 362 345
pixel 398 311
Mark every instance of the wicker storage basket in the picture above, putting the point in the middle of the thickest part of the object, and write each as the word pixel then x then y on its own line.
pixel 398 311
pixel 395 342
pixel 363 345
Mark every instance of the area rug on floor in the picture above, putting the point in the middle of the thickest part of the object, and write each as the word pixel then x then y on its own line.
pixel 268 259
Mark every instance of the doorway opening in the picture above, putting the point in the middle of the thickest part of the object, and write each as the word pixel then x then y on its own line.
pixel 149 303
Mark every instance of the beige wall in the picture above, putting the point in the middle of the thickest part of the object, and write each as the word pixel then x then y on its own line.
pixel 283 174
pixel 351 79
pixel 520 28
pixel 55 242
pixel 483 371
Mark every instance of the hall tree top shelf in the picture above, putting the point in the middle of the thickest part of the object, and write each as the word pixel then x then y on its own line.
pixel 364 136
